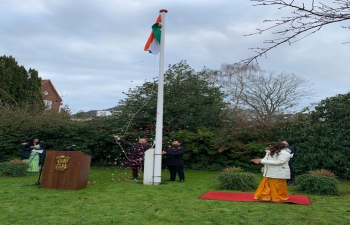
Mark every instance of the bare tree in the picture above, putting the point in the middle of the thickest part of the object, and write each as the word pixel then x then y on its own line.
pixel 269 94
pixel 232 78
pixel 67 109
pixel 260 95
pixel 303 21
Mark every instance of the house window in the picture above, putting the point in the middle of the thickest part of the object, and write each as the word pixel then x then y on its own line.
pixel 48 104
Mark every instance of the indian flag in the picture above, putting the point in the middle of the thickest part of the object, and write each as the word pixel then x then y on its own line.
pixel 153 42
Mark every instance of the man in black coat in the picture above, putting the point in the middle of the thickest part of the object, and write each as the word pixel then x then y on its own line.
pixel 289 144
pixel 175 161
pixel 136 155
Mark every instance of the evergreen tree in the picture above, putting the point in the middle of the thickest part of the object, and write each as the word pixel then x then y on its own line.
pixel 189 102
pixel 17 86
pixel 33 89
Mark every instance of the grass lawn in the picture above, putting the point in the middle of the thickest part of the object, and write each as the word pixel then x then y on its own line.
pixel 109 199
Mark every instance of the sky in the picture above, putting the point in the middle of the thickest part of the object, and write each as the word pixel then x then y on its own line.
pixel 92 50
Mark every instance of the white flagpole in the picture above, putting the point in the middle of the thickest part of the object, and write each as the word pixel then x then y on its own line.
pixel 157 173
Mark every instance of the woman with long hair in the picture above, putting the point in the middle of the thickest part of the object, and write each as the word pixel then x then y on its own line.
pixel 273 186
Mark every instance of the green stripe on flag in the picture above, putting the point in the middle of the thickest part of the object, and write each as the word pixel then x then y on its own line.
pixel 156 31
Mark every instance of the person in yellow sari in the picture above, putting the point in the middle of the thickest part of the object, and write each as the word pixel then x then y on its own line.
pixel 273 186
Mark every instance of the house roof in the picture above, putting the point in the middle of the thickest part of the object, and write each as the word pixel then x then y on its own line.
pixel 52 87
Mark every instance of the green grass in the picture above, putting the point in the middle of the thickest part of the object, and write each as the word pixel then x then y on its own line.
pixel 107 200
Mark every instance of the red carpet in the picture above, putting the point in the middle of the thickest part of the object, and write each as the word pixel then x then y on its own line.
pixel 249 197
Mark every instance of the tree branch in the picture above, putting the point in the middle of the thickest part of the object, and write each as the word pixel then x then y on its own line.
pixel 302 23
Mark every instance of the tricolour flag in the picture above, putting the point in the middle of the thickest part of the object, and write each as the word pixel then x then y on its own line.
pixel 153 42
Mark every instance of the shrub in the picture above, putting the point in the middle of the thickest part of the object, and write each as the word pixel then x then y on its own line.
pixel 317 184
pixel 14 168
pixel 213 167
pixel 240 181
pixel 322 172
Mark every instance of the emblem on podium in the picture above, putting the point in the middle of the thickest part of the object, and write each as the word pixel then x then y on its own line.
pixel 61 163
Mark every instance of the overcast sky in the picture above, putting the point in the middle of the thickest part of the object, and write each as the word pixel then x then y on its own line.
pixel 92 50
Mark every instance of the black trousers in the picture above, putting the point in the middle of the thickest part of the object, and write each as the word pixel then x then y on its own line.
pixel 135 169
pixel 179 169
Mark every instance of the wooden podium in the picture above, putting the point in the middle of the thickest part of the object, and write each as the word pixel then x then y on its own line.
pixel 68 170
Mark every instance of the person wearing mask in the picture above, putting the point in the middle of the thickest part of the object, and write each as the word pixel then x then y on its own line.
pixel 174 160
pixel 273 186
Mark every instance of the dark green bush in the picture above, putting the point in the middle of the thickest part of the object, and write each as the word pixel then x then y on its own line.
pixel 14 169
pixel 239 181
pixel 317 184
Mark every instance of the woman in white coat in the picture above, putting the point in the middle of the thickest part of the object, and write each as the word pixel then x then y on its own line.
pixel 273 186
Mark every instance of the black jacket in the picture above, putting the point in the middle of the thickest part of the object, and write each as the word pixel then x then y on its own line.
pixel 292 149
pixel 174 155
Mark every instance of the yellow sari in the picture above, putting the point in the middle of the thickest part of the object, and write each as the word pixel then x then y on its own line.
pixel 272 189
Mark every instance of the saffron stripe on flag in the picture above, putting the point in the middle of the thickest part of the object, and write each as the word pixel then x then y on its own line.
pixel 152 44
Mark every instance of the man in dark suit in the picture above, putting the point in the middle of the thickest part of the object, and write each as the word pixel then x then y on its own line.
pixel 175 161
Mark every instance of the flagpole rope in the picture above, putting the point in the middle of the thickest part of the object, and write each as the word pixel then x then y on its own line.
pixel 152 92
pixel 127 127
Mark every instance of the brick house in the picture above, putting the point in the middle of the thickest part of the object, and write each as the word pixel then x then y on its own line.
pixel 52 99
